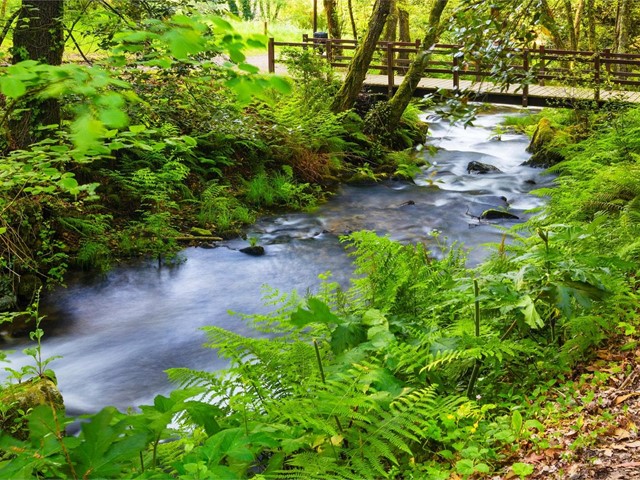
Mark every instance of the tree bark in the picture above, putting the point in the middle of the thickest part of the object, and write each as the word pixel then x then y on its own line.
pixel 404 33
pixel 591 22
pixel 622 26
pixel 333 22
pixel 38 36
pixel 404 94
pixel 549 21
pixel 572 32
pixel 233 7
pixel 357 72
pixel 352 19
pixel 577 20
pixel 391 26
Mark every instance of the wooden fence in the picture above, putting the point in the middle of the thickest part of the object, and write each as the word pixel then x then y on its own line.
pixel 598 71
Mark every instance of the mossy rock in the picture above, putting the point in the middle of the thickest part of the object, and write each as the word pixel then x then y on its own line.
pixel 200 232
pixel 17 400
pixel 543 146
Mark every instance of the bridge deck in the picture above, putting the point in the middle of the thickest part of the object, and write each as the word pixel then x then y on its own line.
pixel 486 91
pixel 538 95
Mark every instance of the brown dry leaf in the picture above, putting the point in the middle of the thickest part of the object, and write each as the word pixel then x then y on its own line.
pixel 629 464
pixel 635 444
pixel 607 452
pixel 621 433
pixel 622 398
pixel 534 458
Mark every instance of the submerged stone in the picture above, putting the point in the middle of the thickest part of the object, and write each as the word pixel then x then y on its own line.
pixel 493 214
pixel 254 250
pixel 481 168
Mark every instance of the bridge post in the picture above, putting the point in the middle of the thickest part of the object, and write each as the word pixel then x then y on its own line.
pixel 271 55
pixel 329 51
pixel 390 73
pixel 525 85
pixel 543 63
pixel 456 70
pixel 596 76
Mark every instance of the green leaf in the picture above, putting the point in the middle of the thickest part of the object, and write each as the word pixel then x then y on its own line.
pixel 465 467
pixel 12 87
pixel 516 422
pixel 247 67
pixel 114 117
pixel 318 312
pixel 522 469
pixel 86 132
pixel 531 315
pixel 68 183
pixel 280 84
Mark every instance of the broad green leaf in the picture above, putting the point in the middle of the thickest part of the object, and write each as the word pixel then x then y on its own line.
pixel 280 84
pixel 318 312
pixel 69 183
pixel 12 87
pixel 86 132
pixel 222 25
pixel 114 117
pixel 531 316
pixel 516 422
pixel 465 467
pixel 522 469
pixel 247 67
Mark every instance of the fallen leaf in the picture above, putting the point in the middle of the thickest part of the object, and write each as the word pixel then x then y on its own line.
pixel 635 444
pixel 622 398
pixel 607 452
pixel 534 458
pixel 629 464
pixel 621 433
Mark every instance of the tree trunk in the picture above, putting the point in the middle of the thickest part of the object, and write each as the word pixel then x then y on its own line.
pixel 591 20
pixel 549 21
pixel 572 32
pixel 622 26
pixel 354 30
pixel 403 96
pixel 392 23
pixel 357 72
pixel 333 22
pixel 404 32
pixel 233 7
pixel 577 20
pixel 38 36
pixel 404 27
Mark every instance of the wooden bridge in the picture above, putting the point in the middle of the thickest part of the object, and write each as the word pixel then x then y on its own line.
pixel 536 77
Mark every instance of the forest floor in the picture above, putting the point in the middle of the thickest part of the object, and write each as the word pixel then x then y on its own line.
pixel 594 431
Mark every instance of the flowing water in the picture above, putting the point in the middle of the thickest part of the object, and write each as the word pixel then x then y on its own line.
pixel 118 333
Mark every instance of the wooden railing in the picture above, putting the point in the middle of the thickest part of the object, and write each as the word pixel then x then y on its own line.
pixel 540 66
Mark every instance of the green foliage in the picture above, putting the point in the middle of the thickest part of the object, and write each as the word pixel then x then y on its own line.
pixel 278 189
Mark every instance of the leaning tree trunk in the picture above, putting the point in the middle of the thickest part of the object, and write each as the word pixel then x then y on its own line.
pixel 404 94
pixel 38 36
pixel 357 72
pixel 333 22
pixel 354 30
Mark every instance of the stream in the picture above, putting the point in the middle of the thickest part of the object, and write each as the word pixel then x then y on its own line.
pixel 118 332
